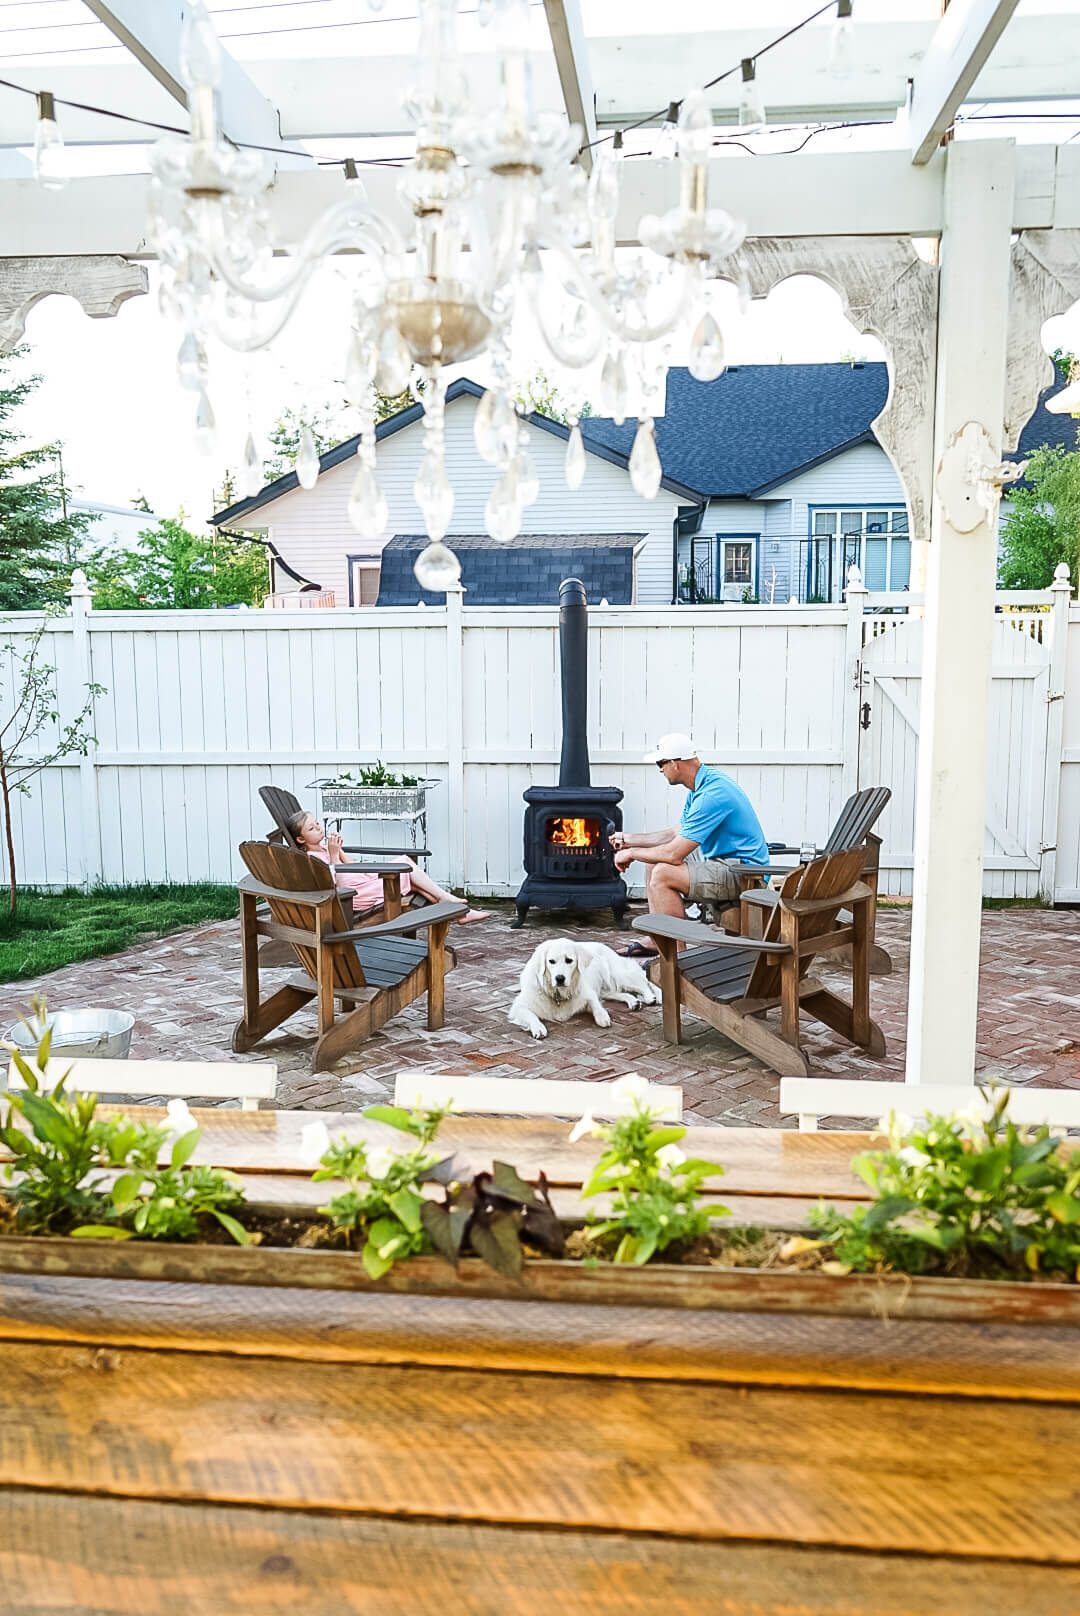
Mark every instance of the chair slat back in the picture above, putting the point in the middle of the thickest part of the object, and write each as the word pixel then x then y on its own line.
pixel 299 872
pixel 857 816
pixel 830 875
pixel 282 805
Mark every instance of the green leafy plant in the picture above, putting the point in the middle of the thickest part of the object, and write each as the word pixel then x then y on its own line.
pixel 384 1211
pixel 965 1195
pixel 653 1185
pixel 60 1160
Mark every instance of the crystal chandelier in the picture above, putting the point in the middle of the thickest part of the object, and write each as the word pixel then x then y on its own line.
pixel 504 222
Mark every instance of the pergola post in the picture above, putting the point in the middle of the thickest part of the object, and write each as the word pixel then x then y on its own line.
pixel 950 809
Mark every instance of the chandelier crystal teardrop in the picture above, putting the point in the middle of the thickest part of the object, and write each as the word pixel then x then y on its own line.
pixel 505 227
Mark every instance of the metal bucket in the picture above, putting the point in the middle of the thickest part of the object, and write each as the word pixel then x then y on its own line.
pixel 78 1034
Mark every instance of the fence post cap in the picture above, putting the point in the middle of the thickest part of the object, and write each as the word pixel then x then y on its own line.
pixel 1062 578
pixel 79 585
pixel 855 578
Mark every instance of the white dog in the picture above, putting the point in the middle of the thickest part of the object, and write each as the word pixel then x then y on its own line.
pixel 564 977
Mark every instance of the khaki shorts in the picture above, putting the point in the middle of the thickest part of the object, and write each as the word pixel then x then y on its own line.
pixel 712 880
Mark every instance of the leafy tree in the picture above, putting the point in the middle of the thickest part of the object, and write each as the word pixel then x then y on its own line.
pixel 541 395
pixel 1042 524
pixel 40 538
pixel 173 567
pixel 32 737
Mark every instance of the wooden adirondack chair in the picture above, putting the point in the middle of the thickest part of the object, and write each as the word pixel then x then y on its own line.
pixel 733 982
pixel 852 829
pixel 373 971
pixel 384 862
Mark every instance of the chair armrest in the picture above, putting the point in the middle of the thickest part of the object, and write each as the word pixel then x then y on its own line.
pixel 390 852
pixel 249 884
pixel 813 906
pixel 764 870
pixel 373 867
pixel 692 931
pixel 775 847
pixel 761 898
pixel 416 920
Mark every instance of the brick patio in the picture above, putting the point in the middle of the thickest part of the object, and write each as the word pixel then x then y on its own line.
pixel 185 990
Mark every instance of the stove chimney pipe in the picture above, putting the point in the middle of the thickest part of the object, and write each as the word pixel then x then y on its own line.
pixel 574 666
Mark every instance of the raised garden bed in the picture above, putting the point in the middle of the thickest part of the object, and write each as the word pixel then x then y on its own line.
pixel 191 1427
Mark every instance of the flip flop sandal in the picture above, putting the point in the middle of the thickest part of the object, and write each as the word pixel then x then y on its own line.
pixel 638 951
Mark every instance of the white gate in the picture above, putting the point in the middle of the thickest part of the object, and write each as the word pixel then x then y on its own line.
pixel 889 748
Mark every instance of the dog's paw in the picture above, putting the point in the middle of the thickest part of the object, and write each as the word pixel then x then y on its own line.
pixel 539 1031
pixel 601 1017
pixel 634 1004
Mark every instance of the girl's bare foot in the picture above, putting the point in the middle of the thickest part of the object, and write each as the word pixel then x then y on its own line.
pixel 474 914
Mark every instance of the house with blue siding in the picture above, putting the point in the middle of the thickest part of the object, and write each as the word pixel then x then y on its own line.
pixel 773 485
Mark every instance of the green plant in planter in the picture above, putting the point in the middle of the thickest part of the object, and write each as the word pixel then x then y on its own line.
pixel 54 1189
pixel 654 1186
pixel 487 1214
pixel 964 1195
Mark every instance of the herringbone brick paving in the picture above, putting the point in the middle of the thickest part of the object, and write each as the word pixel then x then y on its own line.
pixel 185 992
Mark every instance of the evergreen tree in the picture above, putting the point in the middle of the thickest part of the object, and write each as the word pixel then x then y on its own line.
pixel 40 538
pixel 173 567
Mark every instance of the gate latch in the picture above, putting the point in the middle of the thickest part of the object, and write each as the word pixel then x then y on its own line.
pixel 865 719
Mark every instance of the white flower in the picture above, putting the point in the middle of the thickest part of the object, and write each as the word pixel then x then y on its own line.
pixel 179 1116
pixel 913 1157
pixel 314 1142
pixel 670 1156
pixel 380 1159
pixel 584 1125
pixel 630 1088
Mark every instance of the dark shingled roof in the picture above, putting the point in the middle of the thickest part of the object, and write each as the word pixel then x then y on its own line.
pixel 756 425
pixel 1045 430
pixel 527 572
pixel 735 438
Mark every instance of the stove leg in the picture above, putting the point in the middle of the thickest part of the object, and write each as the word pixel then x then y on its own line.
pixel 522 911
pixel 620 916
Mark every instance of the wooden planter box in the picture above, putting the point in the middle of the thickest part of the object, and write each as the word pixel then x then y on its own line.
pixel 190 1430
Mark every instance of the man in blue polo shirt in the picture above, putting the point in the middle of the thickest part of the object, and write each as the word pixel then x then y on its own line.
pixel 693 862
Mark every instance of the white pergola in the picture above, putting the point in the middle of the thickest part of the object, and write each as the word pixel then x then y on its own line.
pixel 960 325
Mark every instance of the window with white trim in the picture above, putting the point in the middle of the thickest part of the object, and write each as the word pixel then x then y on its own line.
pixel 366 572
pixel 873 537
pixel 738 561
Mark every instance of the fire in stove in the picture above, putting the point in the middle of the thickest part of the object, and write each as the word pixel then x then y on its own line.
pixel 573 832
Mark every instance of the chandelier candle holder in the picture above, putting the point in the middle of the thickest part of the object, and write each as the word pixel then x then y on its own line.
pixel 504 222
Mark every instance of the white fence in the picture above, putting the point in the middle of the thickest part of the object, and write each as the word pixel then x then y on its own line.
pixel 201 708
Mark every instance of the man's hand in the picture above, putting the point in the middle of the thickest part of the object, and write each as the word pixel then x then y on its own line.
pixel 617 839
pixel 334 842
pixel 624 858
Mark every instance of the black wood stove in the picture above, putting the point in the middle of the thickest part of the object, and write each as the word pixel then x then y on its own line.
pixel 569 863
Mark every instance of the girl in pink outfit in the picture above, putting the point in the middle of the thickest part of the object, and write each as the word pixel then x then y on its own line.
pixel 368 888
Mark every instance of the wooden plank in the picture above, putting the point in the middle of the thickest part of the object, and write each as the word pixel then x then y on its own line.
pixel 858 1097
pixel 206 1079
pixel 939 1357
pixel 530 1096
pixel 756 1160
pixel 961 45
pixel 710 1462
pixel 86 1556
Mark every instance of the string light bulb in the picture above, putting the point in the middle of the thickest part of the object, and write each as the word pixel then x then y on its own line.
pixel 665 142
pixel 842 41
pixel 49 165
pixel 751 106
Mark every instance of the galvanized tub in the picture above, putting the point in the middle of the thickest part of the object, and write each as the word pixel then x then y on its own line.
pixel 78 1034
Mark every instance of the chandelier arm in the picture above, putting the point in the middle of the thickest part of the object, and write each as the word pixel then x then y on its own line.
pixel 590 294
pixel 340 228
pixel 566 356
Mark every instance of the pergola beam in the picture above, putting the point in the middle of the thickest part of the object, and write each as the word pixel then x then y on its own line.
pixel 150 30
pixel 571 59
pixel 833 194
pixel 962 42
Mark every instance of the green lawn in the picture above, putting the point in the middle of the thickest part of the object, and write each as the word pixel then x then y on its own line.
pixel 50 929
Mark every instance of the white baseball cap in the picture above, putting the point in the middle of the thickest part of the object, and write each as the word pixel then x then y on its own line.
pixel 673 747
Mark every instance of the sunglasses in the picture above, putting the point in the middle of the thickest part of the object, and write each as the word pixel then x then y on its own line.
pixel 662 763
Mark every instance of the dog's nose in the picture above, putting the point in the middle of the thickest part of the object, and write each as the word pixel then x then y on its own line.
pixel 560 980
